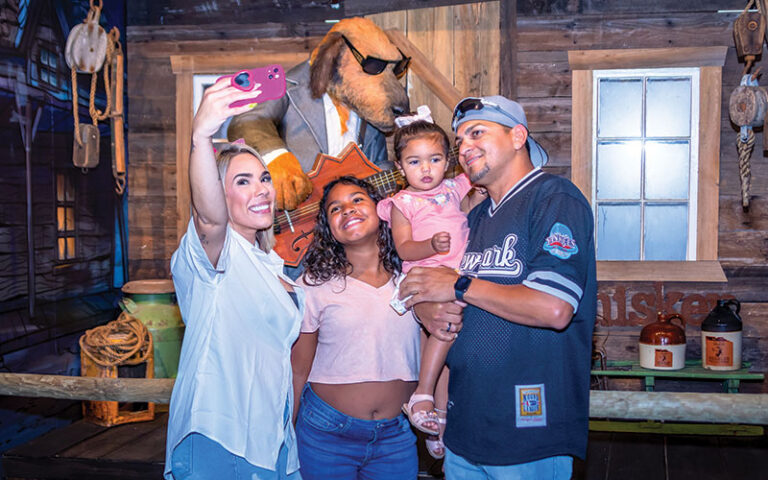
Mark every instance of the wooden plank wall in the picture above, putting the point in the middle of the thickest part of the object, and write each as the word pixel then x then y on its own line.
pixel 92 270
pixel 463 42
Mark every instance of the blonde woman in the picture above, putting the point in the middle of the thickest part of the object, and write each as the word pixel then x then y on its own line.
pixel 231 405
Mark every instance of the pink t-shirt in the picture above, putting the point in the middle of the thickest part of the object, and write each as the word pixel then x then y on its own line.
pixel 430 212
pixel 360 337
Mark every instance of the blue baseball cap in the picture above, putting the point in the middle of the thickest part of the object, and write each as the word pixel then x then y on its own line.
pixel 499 110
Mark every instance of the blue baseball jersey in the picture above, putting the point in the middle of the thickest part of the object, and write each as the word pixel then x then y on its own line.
pixel 518 393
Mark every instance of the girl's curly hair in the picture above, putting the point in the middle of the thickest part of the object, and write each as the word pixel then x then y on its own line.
pixel 326 257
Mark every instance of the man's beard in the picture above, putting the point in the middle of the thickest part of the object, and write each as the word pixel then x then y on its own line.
pixel 474 177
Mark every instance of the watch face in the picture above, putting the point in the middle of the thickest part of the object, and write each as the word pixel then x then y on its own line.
pixel 462 284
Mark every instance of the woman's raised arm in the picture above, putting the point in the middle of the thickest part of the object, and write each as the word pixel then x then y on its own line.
pixel 209 206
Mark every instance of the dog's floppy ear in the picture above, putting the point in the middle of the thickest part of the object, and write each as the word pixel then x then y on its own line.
pixel 324 64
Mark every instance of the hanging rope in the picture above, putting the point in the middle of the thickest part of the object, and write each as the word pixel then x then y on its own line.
pixel 745 148
pixel 125 341
pixel 97 115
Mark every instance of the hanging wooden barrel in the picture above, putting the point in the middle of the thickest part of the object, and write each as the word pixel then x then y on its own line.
pixel 748 105
pixel 153 302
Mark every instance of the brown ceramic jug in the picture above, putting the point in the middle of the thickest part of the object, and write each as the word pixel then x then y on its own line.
pixel 662 343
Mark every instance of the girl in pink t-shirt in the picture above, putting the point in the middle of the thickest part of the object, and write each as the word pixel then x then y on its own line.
pixel 429 227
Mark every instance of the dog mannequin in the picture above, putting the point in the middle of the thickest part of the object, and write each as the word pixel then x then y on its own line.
pixel 330 87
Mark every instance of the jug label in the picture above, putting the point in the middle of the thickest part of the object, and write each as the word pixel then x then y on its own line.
pixel 663 358
pixel 719 352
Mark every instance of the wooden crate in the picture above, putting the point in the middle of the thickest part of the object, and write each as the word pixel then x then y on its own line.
pixel 116 413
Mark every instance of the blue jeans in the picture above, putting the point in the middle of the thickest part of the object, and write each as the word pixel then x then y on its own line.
pixel 198 457
pixel 334 446
pixel 551 468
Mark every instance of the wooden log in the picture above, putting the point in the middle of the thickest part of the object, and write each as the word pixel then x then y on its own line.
pixel 422 67
pixel 682 407
pixel 86 388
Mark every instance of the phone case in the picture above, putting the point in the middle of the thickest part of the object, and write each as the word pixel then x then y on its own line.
pixel 271 78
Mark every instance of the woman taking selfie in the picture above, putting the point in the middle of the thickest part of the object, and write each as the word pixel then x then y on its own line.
pixel 231 404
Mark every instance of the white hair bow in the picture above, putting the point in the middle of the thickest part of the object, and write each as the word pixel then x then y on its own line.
pixel 422 113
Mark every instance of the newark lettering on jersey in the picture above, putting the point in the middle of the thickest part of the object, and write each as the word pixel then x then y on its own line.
pixel 494 261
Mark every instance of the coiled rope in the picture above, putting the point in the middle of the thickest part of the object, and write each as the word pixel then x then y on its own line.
pixel 745 148
pixel 125 341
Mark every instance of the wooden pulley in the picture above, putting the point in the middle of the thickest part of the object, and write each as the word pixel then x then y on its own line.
pixel 85 153
pixel 87 43
pixel 748 105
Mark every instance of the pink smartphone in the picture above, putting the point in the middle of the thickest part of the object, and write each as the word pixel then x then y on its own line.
pixel 271 78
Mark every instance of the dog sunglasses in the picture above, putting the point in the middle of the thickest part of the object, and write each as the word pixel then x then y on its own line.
pixel 374 66
pixel 472 103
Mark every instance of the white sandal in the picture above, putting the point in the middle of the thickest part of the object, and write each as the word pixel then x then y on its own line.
pixel 420 417
pixel 435 447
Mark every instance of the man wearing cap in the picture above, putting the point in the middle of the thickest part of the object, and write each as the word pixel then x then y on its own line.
pixel 519 384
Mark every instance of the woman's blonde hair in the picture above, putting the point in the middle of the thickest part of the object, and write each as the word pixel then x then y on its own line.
pixel 225 154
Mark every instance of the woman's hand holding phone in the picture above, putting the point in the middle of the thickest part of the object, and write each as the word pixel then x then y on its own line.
pixel 271 80
pixel 216 107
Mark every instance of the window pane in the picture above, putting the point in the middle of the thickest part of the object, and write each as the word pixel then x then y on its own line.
pixel 620 108
pixel 60 181
pixel 618 170
pixel 44 75
pixel 666 170
pixel 668 107
pixel 618 232
pixel 70 218
pixel 52 78
pixel 52 60
pixel 69 189
pixel 62 250
pixel 44 56
pixel 61 224
pixel 666 232
pixel 70 247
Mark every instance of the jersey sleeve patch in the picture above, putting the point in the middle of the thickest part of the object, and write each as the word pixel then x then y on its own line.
pixel 560 242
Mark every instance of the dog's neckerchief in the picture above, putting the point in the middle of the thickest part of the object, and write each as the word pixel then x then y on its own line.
pixel 343 115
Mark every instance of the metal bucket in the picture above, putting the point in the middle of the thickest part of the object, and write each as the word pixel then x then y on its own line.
pixel 153 302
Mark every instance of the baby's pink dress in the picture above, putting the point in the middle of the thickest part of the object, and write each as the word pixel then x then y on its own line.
pixel 432 211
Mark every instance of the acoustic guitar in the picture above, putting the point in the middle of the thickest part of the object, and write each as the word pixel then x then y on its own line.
pixel 293 229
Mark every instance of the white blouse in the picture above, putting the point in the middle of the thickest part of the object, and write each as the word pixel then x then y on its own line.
pixel 235 378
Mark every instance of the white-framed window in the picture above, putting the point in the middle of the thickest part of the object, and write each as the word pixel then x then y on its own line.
pixel 645 163
pixel 200 82
pixel 650 170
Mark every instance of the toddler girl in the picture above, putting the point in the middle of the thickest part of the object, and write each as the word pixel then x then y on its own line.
pixel 429 226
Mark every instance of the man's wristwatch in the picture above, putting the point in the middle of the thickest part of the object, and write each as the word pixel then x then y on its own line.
pixel 461 286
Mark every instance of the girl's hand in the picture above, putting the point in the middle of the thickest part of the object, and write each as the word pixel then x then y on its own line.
pixel 214 108
pixel 441 242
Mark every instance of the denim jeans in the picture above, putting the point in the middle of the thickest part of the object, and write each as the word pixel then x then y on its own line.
pixel 551 468
pixel 334 446
pixel 198 457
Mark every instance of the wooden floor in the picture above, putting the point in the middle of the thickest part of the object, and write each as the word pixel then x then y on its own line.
pixel 136 451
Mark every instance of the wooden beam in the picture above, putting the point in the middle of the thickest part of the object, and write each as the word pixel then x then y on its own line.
pixel 156 390
pixel 508 50
pixel 749 409
pixel 652 271
pixel 427 72
pixel 680 407
pixel 677 57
